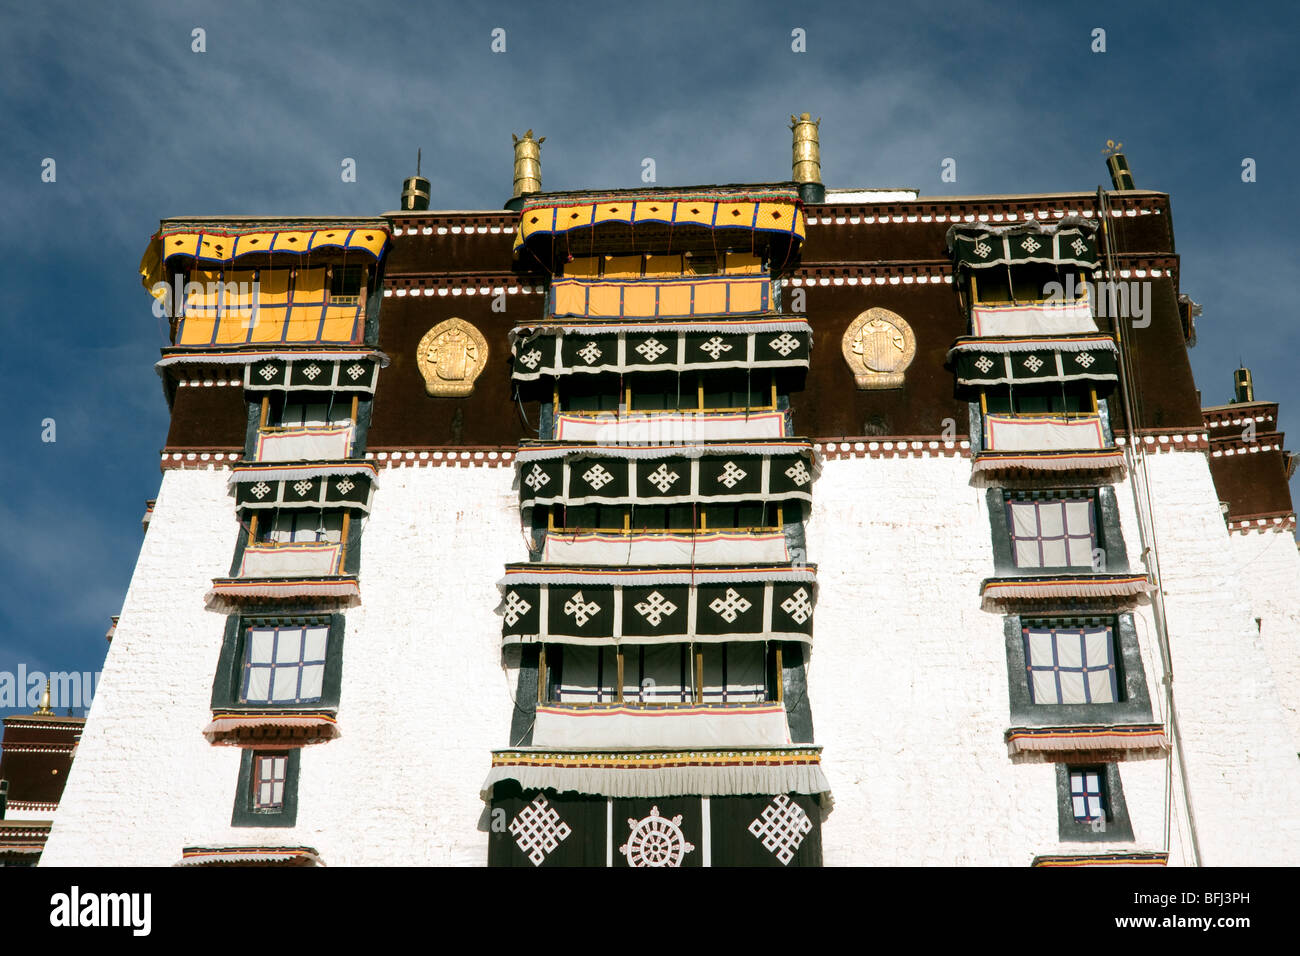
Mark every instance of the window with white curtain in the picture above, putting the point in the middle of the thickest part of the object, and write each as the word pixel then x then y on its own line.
pixel 284 665
pixel 1056 532
pixel 269 774
pixel 1071 665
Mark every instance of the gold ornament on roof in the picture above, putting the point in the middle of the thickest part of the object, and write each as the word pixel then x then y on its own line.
pixel 879 346
pixel 450 357
pixel 44 709
pixel 1112 147
pixel 807 166
pixel 528 164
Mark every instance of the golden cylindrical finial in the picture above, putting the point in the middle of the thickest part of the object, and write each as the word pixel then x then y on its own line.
pixel 807 166
pixel 528 164
pixel 44 709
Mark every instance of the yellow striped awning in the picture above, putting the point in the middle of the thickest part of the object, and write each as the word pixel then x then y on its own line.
pixel 775 211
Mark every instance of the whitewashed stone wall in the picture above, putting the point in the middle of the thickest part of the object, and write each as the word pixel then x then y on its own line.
pixel 424 697
pixel 908 681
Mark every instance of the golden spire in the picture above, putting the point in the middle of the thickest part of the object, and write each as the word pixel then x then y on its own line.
pixel 44 709
pixel 528 164
pixel 807 165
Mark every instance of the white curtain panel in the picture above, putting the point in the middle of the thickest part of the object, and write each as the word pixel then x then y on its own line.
pixel 616 549
pixel 628 729
pixel 1010 433
pixel 669 428
pixel 266 561
pixel 1038 318
pixel 325 443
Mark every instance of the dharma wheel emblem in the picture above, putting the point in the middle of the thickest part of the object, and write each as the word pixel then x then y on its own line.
pixel 879 346
pixel 656 841
pixel 450 357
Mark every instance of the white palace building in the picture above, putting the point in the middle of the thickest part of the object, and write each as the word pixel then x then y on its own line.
pixel 721 525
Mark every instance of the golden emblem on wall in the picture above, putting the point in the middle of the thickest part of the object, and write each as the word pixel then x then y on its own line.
pixel 450 357
pixel 879 346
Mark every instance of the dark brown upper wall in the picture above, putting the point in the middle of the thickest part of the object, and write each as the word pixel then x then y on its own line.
pixel 37 776
pixel 208 417
pixel 1252 484
pixel 414 253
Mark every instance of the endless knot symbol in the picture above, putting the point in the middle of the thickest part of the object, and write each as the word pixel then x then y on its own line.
pixel 1085 359
pixel 781 826
pixel 311 371
pixel 356 371
pixel 652 349
pixel 662 478
pixel 1078 246
pixel 798 606
pixel 590 352
pixel 531 358
pixel 730 607
pixel 344 485
pixel 715 347
pixel 580 610
pixel 656 841
pixel 267 372
pixel 984 363
pixel 1033 363
pixel 260 490
pixel 785 344
pixel 799 473
pixel 731 475
pixel 516 607
pixel 982 249
pixel 1030 244
pixel 597 477
pixel 538 830
pixel 536 478
pixel 655 608
pixel 302 487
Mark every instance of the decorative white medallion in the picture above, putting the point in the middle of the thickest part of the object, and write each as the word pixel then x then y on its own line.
pixel 651 349
pixel 531 359
pixel 782 827
pixel 655 608
pixel 785 343
pixel 260 490
pixel 982 249
pixel 730 606
pixel 1033 363
pixel 536 478
pixel 715 347
pixel 798 606
pixel 590 352
pixel 1030 245
pixel 344 485
pixel 731 475
pixel 799 473
pixel 302 487
pixel 356 371
pixel 267 372
pixel 662 478
pixel 538 830
pixel 1084 358
pixel 312 371
pixel 597 476
pixel 580 609
pixel 516 607
pixel 656 841
pixel 984 363
pixel 1078 246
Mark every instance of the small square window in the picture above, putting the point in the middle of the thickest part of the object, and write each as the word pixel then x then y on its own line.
pixel 1071 665
pixel 270 772
pixel 1058 532
pixel 1088 794
pixel 284 665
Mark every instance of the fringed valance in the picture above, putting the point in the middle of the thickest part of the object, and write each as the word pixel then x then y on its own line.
pixel 1153 858
pixel 656 605
pixel 224 243
pixel 665 474
pixel 1119 590
pixel 1105 464
pixel 1026 361
pixel 1068 241
pixel 1081 739
pixel 232 593
pixel 618 726
pixel 660 298
pixel 250 856
pixel 696 773
pixel 273 729
pixel 310 374
pixel 558 352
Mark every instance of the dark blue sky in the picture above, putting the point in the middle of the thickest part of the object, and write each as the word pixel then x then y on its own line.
pixel 141 128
